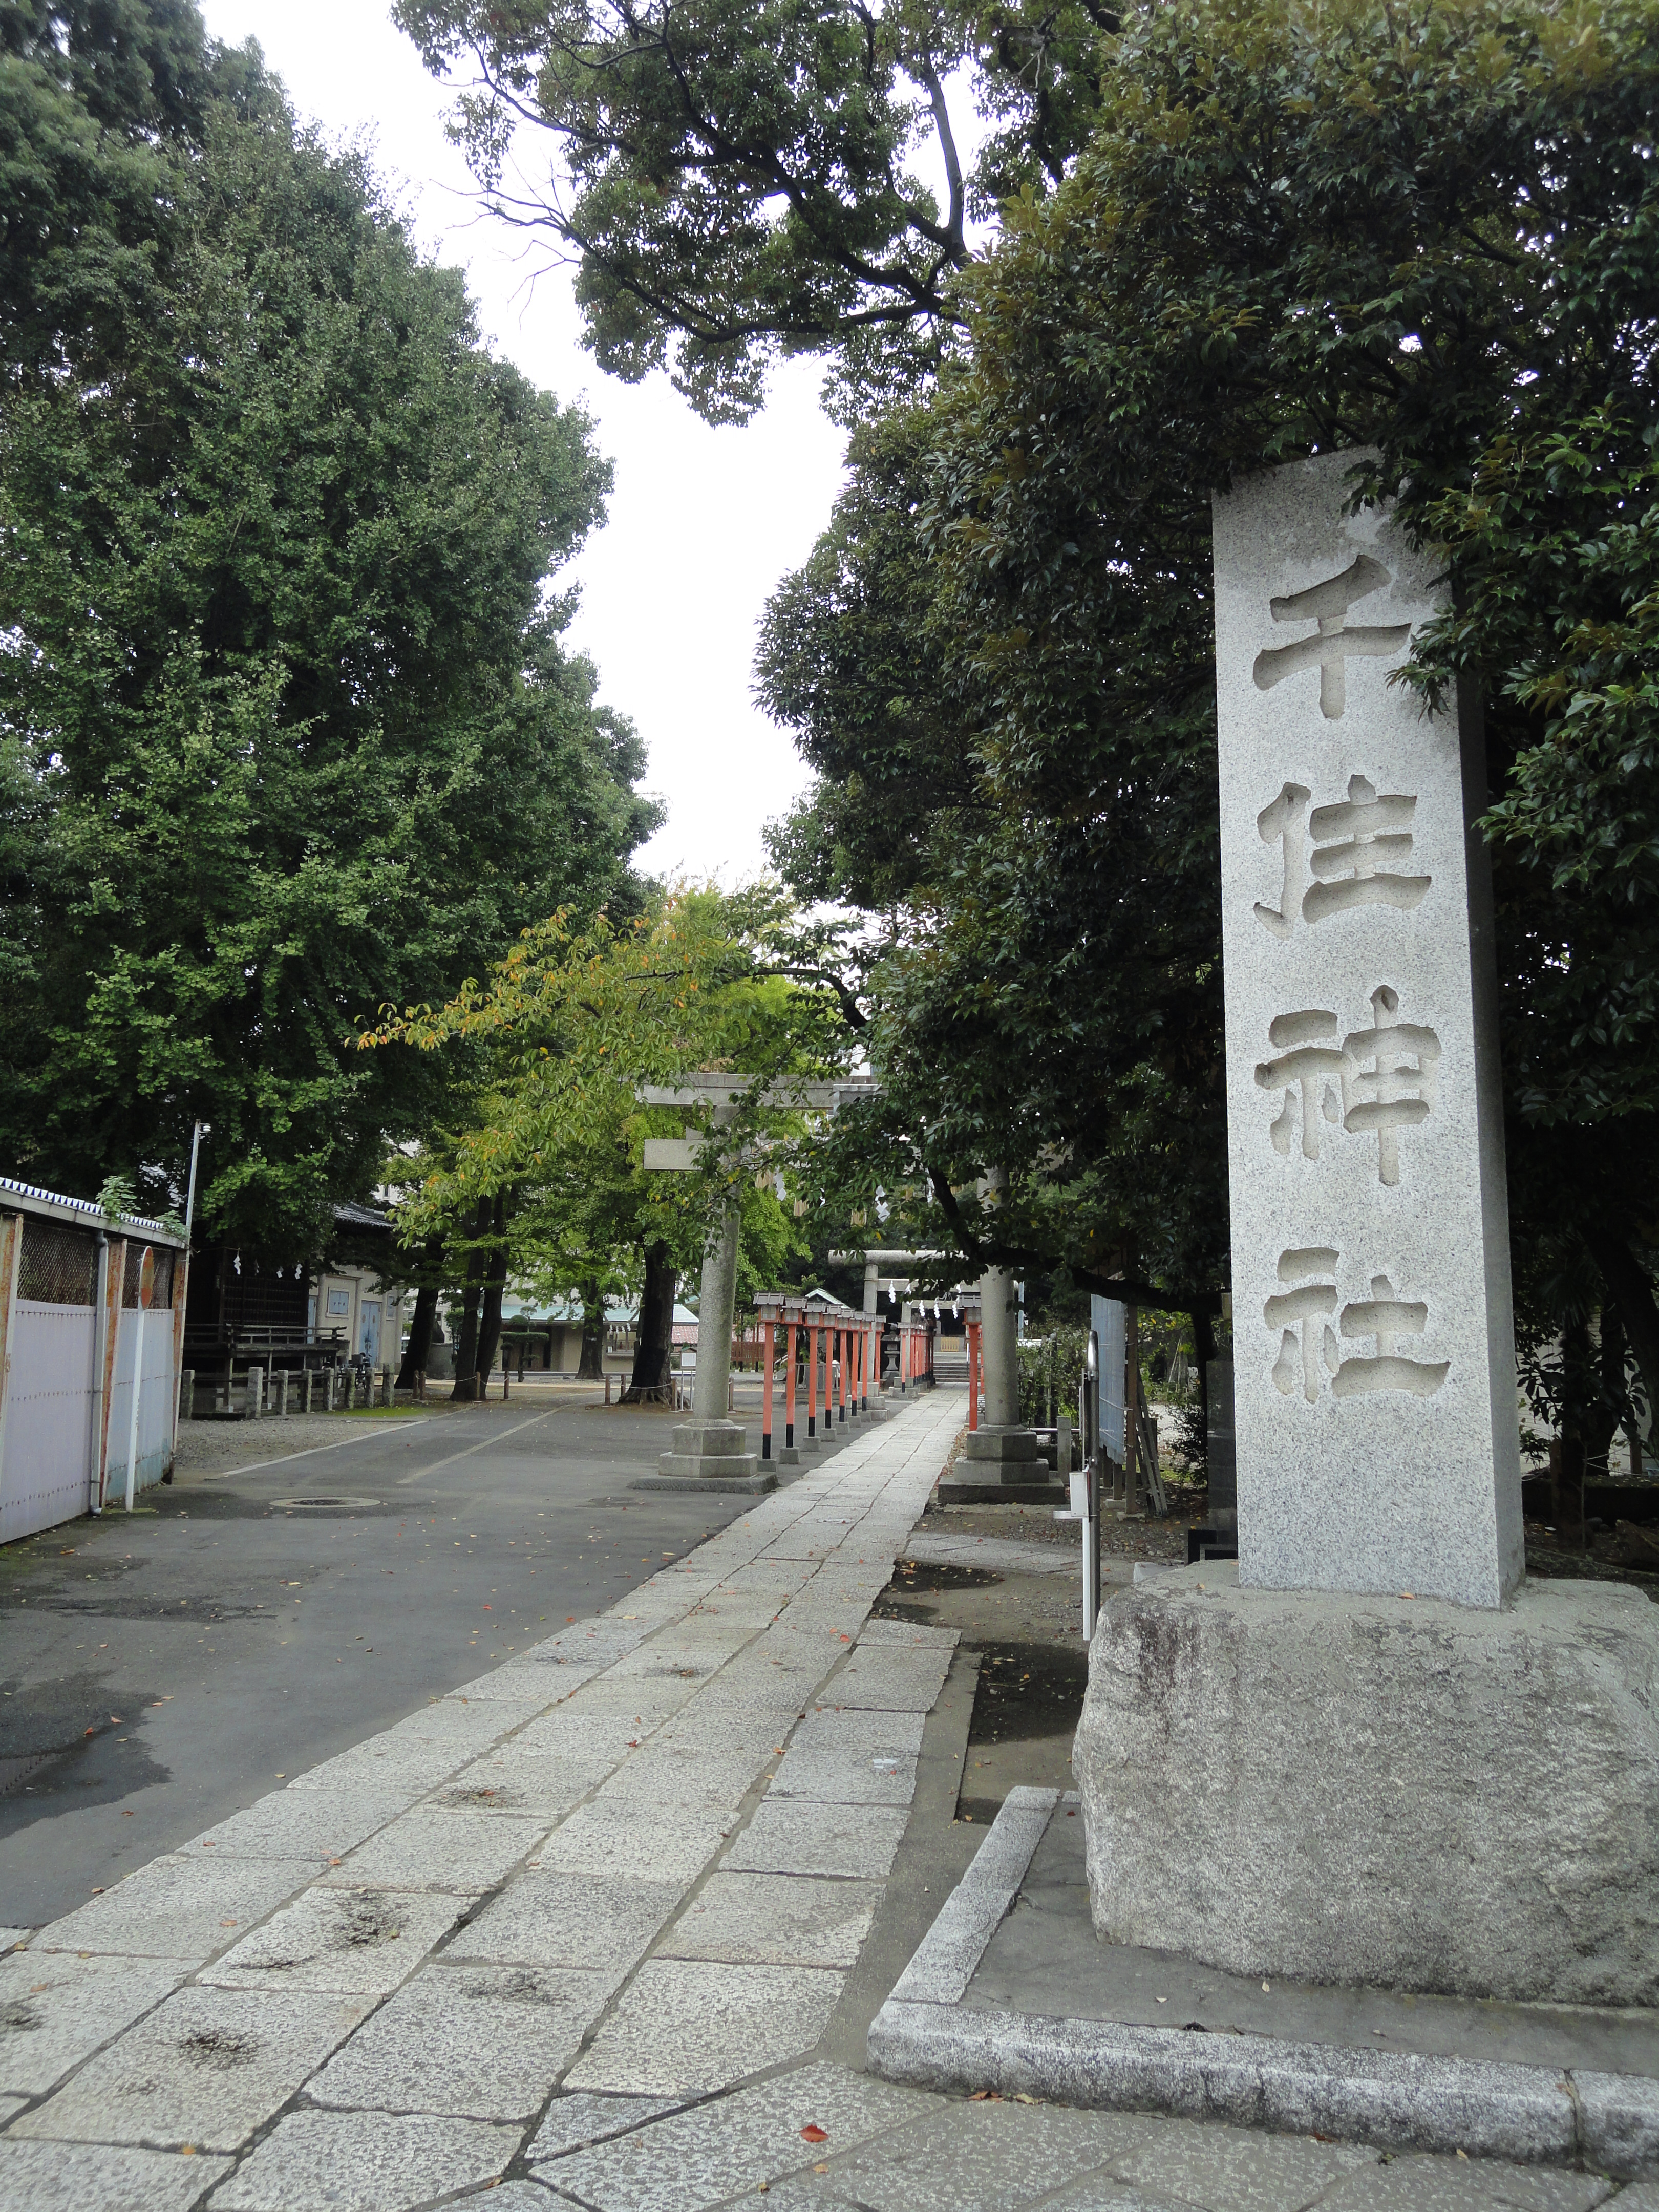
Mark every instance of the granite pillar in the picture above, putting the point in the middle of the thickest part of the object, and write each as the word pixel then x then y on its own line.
pixel 1370 1751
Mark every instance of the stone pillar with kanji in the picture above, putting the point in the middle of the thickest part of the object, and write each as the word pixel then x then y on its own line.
pixel 1374 1347
pixel 1372 1752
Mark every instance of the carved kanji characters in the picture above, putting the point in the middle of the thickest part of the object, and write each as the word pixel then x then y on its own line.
pixel 1392 1079
pixel 1384 1318
pixel 1308 1071
pixel 1302 1313
pixel 1334 644
pixel 1352 849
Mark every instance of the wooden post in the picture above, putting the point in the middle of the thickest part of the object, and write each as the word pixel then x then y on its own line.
pixel 789 1385
pixel 812 1379
pixel 766 1405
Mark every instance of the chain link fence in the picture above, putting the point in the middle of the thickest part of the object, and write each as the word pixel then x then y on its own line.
pixel 59 1264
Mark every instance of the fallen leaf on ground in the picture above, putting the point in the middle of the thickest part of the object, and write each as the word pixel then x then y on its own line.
pixel 812 2133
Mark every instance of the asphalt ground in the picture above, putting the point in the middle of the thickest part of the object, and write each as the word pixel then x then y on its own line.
pixel 161 1671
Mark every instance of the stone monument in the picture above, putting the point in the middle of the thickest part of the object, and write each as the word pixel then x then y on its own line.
pixel 1370 1751
pixel 711 1450
pixel 999 1452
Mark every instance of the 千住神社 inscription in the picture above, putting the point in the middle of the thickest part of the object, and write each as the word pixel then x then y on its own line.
pixel 1373 1343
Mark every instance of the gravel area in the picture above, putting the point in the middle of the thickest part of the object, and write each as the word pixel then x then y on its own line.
pixel 217 1447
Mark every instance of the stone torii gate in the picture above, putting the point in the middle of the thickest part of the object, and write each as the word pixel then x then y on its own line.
pixel 711 1451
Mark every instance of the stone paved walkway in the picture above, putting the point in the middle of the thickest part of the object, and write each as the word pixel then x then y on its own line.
pixel 574 1935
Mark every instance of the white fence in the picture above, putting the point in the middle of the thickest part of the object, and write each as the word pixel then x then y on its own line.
pixel 71 1323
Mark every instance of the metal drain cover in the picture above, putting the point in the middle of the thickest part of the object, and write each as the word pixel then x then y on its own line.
pixel 320 1504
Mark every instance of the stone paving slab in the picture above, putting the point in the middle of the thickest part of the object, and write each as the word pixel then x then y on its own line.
pixel 577 2119
pixel 207 2068
pixel 728 1728
pixel 1435 2184
pixel 767 1919
pixel 646 1700
pixel 683 2026
pixel 439 1847
pixel 1246 2168
pixel 358 1942
pixel 787 1836
pixel 871 1735
pixel 485 2043
pixel 364 2162
pixel 65 2177
pixel 998 1555
pixel 535 1683
pixel 186 1908
pixel 405 1769
pixel 602 1923
pixel 583 1737
pixel 618 1836
pixel 313 1826
pixel 56 2010
pixel 10 1937
pixel 917 1634
pixel 716 2151
pixel 523 1784
pixel 674 1774
pixel 836 1777
pixel 977 2158
pixel 767 1576
pixel 886 1678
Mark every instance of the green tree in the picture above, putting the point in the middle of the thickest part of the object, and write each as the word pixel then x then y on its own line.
pixel 735 181
pixel 287 723
pixel 573 1026
pixel 1425 231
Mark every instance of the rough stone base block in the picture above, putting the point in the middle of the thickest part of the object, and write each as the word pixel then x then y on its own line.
pixel 745 1477
pixel 963 1487
pixel 1388 1791
pixel 710 1440
pixel 710 1455
pixel 1000 1447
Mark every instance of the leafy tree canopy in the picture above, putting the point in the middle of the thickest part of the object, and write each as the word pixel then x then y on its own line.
pixel 573 1025
pixel 287 725
pixel 736 181
pixel 1426 230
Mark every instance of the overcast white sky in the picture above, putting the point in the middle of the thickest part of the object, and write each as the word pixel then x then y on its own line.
pixel 704 522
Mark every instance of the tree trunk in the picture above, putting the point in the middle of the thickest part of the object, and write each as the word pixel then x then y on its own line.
pixel 489 1323
pixel 591 1369
pixel 654 1347
pixel 467 1348
pixel 1631 1290
pixel 426 1313
pixel 1567 1458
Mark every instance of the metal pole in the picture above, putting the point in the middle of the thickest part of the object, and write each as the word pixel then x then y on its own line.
pixel 181 1289
pixel 203 1129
